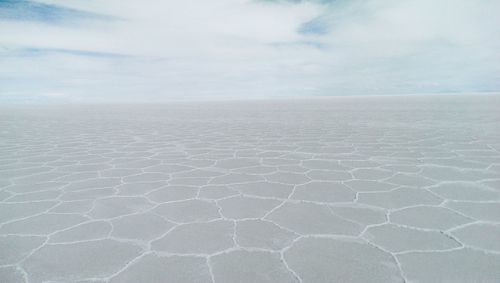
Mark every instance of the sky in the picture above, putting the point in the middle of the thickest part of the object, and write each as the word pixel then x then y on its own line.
pixel 163 50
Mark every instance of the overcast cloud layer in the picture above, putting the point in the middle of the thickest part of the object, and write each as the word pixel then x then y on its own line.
pixel 148 51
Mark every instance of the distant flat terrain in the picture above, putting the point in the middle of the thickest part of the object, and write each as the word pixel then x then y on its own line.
pixel 343 189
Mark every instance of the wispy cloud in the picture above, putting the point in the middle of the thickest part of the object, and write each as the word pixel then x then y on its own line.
pixel 127 50
pixel 37 52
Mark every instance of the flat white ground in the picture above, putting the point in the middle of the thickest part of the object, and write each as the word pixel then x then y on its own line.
pixel 380 189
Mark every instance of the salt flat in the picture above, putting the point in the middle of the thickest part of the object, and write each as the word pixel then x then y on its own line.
pixel 359 189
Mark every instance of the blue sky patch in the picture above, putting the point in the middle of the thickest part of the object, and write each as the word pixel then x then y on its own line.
pixel 22 10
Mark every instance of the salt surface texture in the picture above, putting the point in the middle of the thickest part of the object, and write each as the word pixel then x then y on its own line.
pixel 359 189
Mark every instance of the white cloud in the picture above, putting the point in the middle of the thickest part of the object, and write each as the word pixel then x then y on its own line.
pixel 55 94
pixel 238 49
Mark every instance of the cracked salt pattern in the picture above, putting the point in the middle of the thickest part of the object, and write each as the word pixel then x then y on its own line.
pixel 381 189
